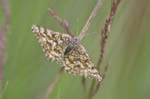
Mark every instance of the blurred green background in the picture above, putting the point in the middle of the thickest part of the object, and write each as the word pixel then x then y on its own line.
pixel 27 73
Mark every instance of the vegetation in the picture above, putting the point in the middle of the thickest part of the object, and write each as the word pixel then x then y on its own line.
pixel 27 73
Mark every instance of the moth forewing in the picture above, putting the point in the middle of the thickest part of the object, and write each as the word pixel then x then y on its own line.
pixel 77 61
pixel 51 42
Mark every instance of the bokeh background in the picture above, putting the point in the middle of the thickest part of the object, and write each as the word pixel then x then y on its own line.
pixel 27 74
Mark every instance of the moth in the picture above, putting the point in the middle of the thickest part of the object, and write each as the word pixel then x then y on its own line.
pixel 66 50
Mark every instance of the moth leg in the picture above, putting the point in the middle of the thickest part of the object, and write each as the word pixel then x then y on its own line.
pixel 62 22
pixel 84 83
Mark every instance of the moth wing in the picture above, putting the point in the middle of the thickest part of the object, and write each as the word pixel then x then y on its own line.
pixel 78 62
pixel 53 43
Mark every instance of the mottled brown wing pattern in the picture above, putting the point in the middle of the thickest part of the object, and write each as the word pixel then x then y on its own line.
pixel 75 61
pixel 53 43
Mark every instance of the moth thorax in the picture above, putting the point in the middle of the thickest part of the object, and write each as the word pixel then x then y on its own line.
pixel 74 42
